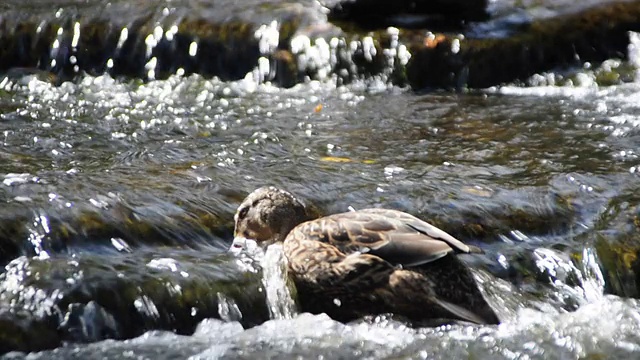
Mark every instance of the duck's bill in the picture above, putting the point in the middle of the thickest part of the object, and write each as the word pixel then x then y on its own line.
pixel 241 244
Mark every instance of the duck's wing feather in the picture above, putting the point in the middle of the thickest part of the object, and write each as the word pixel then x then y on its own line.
pixel 326 267
pixel 425 228
pixel 410 249
pixel 459 312
pixel 394 236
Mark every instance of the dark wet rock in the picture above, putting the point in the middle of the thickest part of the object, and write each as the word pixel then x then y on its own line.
pixel 12 237
pixel 117 228
pixel 117 270
pixel 564 41
pixel 437 15
pixel 289 43
pixel 19 331
pixel 149 40
pixel 477 215
pixel 93 297
pixel 97 50
pixel 89 322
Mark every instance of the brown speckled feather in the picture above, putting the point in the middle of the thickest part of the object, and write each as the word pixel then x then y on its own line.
pixel 321 266
pixel 394 236
pixel 370 261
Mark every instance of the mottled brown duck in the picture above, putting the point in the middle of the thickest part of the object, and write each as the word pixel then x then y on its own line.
pixel 365 262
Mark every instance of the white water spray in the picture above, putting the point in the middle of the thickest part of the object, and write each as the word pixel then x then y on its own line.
pixel 274 280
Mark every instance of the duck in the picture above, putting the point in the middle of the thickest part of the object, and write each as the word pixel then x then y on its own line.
pixel 366 262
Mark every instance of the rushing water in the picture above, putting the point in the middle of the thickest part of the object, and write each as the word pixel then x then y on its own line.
pixel 118 200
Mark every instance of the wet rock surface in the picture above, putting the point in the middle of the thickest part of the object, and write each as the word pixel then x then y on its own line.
pixel 289 42
pixel 93 296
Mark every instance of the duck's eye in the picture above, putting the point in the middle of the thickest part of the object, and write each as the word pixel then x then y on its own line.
pixel 242 213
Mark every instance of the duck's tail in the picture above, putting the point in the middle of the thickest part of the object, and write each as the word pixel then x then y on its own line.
pixel 458 312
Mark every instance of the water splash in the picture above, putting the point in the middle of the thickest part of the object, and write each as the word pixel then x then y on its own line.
pixel 38 233
pixel 279 299
pixel 274 277
pixel 582 283
pixel 592 277
pixel 228 308
pixel 18 293
pixel 633 50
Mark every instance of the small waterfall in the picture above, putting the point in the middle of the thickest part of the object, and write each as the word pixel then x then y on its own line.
pixel 274 280
pixel 577 282
pixel 592 277
pixel 227 308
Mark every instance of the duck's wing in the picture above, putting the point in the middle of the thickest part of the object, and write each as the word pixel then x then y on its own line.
pixel 324 266
pixel 397 237
pixel 425 228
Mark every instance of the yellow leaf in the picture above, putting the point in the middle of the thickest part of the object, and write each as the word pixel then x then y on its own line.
pixel 335 159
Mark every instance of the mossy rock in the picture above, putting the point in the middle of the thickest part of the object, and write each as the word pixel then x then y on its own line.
pixel 617 240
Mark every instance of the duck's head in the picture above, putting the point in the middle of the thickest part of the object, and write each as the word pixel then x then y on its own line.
pixel 266 216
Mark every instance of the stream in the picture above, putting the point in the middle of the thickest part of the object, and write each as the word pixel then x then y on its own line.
pixel 118 199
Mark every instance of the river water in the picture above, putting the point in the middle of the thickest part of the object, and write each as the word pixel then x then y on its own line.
pixel 112 189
